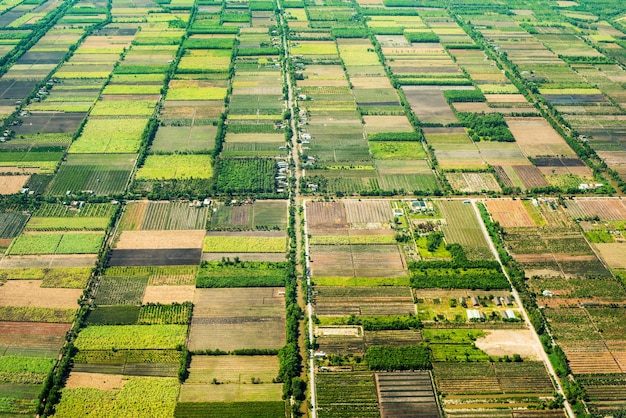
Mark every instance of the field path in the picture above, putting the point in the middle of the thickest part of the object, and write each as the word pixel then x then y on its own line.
pixel 542 353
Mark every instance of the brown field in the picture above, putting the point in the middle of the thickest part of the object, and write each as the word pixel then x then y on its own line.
pixel 168 294
pixel 605 209
pixel 29 293
pixel 530 175
pixel 506 98
pixel 357 261
pixel 509 213
pixel 473 182
pixel 499 343
pixel 406 394
pixel 12 184
pixel 35 336
pixel 326 215
pixel 472 107
pixel 376 124
pixel 229 319
pixel 370 82
pixel 232 369
pixel 144 240
pixel 277 138
pixel 368 211
pixel 52 260
pixel 613 254
pixel 95 380
pixel 201 109
pixel 429 105
pixel 345 301
pixel 590 357
pixel 536 137
pixel 134 213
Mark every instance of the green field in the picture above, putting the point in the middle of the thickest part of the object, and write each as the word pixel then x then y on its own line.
pixel 140 397
pixel 176 166
pixel 131 337
pixel 244 244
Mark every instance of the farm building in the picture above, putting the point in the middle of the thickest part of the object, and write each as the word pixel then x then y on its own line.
pixel 508 314
pixel 475 315
pixel 421 206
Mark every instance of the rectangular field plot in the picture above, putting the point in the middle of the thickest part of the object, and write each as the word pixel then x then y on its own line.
pixel 139 397
pixel 120 290
pixel 520 384
pixel 346 394
pixel 230 409
pixel 536 137
pixel 155 257
pixel 368 212
pixel 473 182
pixel 239 379
pixel 512 213
pixel 163 216
pixel 404 394
pixel 345 301
pixel 231 319
pixel 606 209
pixel 357 261
pixel 160 240
pixel 463 227
pixel 102 174
pixel 245 242
pixel 163 363
pixel 29 293
pixel 176 166
pixel 11 224
pixel 49 243
pixel 32 338
pixel 429 104
pixel 184 138
pixel 267 214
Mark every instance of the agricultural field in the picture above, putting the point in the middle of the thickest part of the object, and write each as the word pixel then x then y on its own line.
pixel 163 216
pixel 179 178
pixel 216 325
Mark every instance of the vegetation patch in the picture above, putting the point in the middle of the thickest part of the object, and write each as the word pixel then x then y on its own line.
pixel 140 397
pixel 244 244
pixel 176 166
pixel 412 357
pixel 133 337
pixel 241 274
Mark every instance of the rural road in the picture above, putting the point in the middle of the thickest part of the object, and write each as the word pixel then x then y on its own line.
pixel 291 105
pixel 544 356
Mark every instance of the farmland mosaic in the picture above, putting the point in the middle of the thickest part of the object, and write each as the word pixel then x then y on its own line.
pixel 287 208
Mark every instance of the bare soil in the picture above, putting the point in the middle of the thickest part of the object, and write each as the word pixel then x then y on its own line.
pixel 95 380
pixel 29 293
pixel 168 294
pixel 136 240
pixel 508 342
